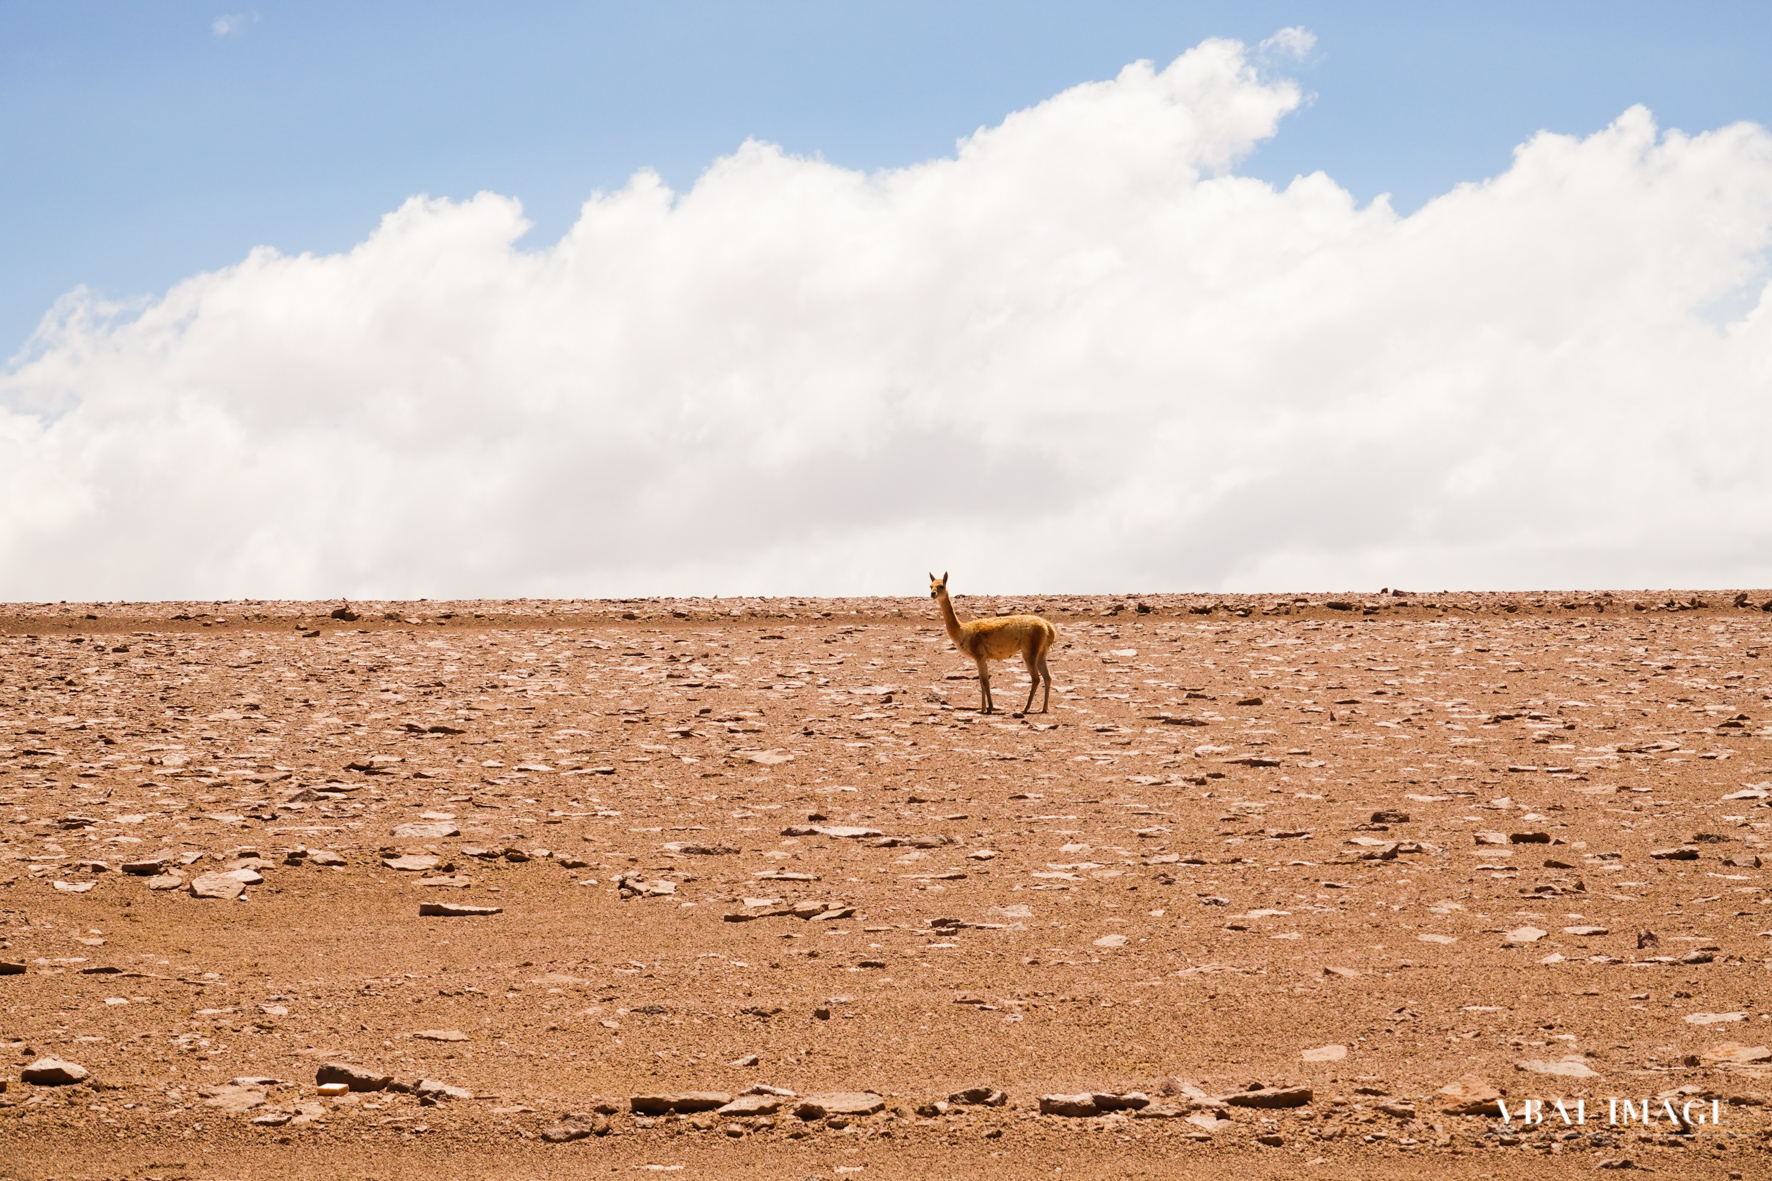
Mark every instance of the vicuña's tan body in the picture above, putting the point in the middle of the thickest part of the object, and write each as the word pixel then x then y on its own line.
pixel 999 638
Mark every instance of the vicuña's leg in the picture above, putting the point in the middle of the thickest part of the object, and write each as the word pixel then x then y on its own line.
pixel 1031 658
pixel 984 685
pixel 1045 672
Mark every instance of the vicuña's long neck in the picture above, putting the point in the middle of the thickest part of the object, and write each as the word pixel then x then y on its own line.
pixel 949 618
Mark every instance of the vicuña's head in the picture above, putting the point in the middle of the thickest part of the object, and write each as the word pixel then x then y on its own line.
pixel 937 585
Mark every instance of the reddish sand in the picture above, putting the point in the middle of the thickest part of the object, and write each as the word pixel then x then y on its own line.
pixel 1170 888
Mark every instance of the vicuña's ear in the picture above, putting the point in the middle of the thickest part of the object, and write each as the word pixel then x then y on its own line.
pixel 932 578
pixel 944 575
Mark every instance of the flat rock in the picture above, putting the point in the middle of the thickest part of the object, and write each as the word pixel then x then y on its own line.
pixel 1561 1067
pixel 839 1103
pixel 1331 1053
pixel 1071 1105
pixel 1121 1100
pixel 1524 935
pixel 1587 932
pixel 682 1102
pixel 1682 853
pixel 237 1100
pixel 1162 1111
pixel 454 910
pixel 1112 941
pixel 355 1078
pixel 979 1097
pixel 1470 1095
pixel 752 1105
pixel 217 885
pixel 1208 1122
pixel 426 830
pixel 1736 1054
pixel 433 1089
pixel 166 881
pixel 564 1133
pixel 412 862
pixel 440 1035
pixel 852 831
pixel 53 1072
pixel 1270 1097
pixel 147 867
pixel 325 857
pixel 1712 1018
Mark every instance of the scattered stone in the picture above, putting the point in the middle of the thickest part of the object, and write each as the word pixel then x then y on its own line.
pixel 564 1133
pixel 1470 1095
pixel 148 867
pixel 217 885
pixel 1587 932
pixel 634 885
pixel 236 1100
pixel 1208 1122
pixel 1571 1067
pixel 353 1078
pixel 1161 1111
pixel 1269 1097
pixel 1070 1105
pixel 682 1103
pixel 1528 838
pixel 412 863
pixel 829 830
pixel 450 910
pixel 53 1072
pixel 440 1035
pixel 1112 941
pixel 1682 853
pixel 1712 1018
pixel 1524 935
pixel 432 1089
pixel 166 881
pixel 1398 1108
pixel 979 1097
pixel 839 1103
pixel 1331 1053
pixel 1736 1054
pixel 324 857
pixel 747 1105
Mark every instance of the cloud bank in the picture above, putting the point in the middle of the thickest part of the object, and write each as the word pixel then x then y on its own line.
pixel 1081 354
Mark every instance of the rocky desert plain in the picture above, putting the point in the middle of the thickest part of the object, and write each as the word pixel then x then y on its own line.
pixel 1384 885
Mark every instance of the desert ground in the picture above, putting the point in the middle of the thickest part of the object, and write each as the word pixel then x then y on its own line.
pixel 1282 886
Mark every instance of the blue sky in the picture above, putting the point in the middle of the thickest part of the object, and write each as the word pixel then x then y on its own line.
pixel 1109 343
pixel 141 146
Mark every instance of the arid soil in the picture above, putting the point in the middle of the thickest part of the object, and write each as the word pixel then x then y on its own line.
pixel 1272 874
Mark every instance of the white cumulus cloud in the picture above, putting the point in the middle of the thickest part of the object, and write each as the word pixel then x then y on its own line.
pixel 1080 354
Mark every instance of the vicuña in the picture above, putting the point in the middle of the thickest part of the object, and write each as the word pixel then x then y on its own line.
pixel 986 640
